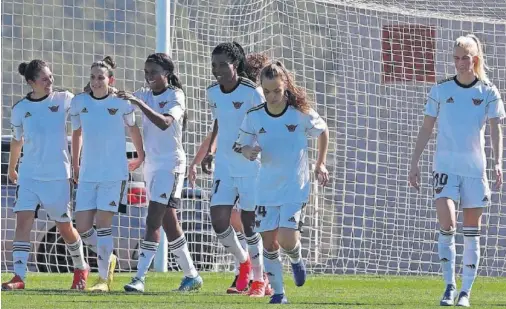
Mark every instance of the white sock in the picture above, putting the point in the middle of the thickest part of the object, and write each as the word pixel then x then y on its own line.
pixel 447 254
pixel 274 270
pixel 471 257
pixel 77 254
pixel 179 249
pixel 256 249
pixel 104 247
pixel 229 240
pixel 294 254
pixel 20 253
pixel 89 238
pixel 244 245
pixel 148 251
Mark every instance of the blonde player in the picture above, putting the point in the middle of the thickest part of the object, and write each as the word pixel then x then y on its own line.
pixel 163 106
pixel 98 120
pixel 234 177
pixel 279 130
pixel 38 125
pixel 461 105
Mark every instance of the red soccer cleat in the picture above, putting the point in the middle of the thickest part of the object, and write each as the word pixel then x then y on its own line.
pixel 243 278
pixel 268 289
pixel 257 289
pixel 80 277
pixel 16 283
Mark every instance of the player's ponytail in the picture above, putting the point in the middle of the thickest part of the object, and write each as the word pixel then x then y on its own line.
pixel 167 65
pixel 295 96
pixel 473 45
pixel 107 63
pixel 30 70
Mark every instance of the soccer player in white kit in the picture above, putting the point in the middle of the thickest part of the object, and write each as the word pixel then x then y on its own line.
pixel 279 130
pixel 234 177
pixel 39 127
pixel 461 105
pixel 163 105
pixel 98 123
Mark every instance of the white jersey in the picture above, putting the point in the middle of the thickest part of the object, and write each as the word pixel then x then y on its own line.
pixel 462 111
pixel 164 149
pixel 103 156
pixel 284 170
pixel 42 124
pixel 229 108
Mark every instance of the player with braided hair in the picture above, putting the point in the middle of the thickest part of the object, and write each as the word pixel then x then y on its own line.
pixel 230 97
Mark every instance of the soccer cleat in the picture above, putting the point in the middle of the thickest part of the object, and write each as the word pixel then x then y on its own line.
pixel 449 296
pixel 16 283
pixel 299 273
pixel 278 299
pixel 100 286
pixel 463 300
pixel 136 285
pixel 243 277
pixel 268 289
pixel 257 289
pixel 80 277
pixel 190 284
pixel 233 289
pixel 112 266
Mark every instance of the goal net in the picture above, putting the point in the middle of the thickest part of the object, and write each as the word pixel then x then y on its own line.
pixel 368 65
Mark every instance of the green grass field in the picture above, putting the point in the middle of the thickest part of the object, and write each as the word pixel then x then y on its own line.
pixel 51 291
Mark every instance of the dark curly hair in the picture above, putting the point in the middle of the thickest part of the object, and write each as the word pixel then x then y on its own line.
pixel 167 64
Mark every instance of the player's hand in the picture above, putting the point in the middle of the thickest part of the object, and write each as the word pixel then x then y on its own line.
pixel 75 174
pixel 207 164
pixel 126 96
pixel 112 90
pixel 251 153
pixel 13 175
pixel 498 176
pixel 192 174
pixel 414 177
pixel 87 88
pixel 135 164
pixel 322 174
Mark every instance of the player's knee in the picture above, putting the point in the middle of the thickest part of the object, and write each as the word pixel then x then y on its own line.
pixel 248 222
pixel 287 238
pixel 65 228
pixel 220 225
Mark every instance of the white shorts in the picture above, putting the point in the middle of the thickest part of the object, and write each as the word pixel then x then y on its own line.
pixel 54 196
pixel 105 196
pixel 270 218
pixel 470 192
pixel 164 187
pixel 230 190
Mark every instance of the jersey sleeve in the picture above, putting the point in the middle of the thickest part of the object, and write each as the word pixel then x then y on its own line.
pixel 432 104
pixel 129 114
pixel 315 125
pixel 16 123
pixel 212 106
pixel 140 94
pixel 495 105
pixel 258 97
pixel 75 117
pixel 68 100
pixel 247 135
pixel 176 106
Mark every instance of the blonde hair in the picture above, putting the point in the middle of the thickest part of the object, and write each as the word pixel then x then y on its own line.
pixel 473 45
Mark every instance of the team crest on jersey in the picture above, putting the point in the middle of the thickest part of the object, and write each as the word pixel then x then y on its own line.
pixel 112 111
pixel 450 100
pixel 28 115
pixel 262 130
pixel 439 190
pixel 477 101
pixel 162 104
pixel 291 127
pixel 113 204
pixel 54 109
pixel 237 105
pixel 84 110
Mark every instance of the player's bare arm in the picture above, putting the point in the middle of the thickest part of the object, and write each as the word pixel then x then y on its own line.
pixel 135 134
pixel 15 153
pixel 161 121
pixel 77 142
pixel 208 159
pixel 497 145
pixel 320 169
pixel 421 141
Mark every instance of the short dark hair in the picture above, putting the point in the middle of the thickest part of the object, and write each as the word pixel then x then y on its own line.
pixel 30 70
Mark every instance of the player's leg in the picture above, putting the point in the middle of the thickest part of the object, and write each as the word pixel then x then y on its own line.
pixel 223 199
pixel 55 197
pixel 235 222
pixel 291 220
pixel 475 197
pixel 446 191
pixel 25 207
pixel 84 214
